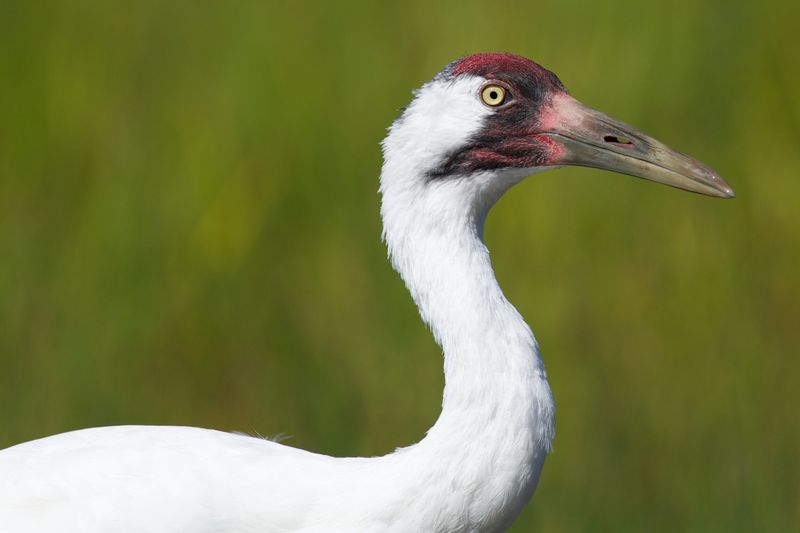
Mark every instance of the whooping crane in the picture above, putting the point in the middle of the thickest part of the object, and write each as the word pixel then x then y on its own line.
pixel 480 126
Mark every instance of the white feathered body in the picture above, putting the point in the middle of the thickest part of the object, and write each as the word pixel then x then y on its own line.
pixel 476 467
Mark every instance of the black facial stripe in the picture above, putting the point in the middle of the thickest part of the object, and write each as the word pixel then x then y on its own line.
pixel 507 136
pixel 453 165
pixel 489 152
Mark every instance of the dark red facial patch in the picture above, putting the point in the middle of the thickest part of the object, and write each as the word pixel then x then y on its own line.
pixel 510 135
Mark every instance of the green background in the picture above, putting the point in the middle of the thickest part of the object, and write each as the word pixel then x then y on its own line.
pixel 189 234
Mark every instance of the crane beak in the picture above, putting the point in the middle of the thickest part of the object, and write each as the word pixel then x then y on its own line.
pixel 585 137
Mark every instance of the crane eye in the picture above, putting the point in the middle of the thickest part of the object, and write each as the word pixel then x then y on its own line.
pixel 493 95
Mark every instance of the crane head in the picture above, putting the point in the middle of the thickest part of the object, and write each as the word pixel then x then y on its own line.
pixel 490 112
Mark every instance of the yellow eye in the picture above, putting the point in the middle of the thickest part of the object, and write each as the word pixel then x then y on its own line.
pixel 493 95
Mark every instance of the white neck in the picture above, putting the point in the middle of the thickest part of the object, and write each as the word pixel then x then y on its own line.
pixel 486 450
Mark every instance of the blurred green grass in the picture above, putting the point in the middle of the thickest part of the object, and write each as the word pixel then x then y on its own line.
pixel 189 234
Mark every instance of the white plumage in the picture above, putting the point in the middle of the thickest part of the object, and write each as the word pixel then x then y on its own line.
pixel 474 470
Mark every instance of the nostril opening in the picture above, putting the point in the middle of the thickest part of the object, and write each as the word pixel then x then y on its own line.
pixel 618 140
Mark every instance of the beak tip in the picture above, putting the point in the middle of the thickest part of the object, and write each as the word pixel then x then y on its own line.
pixel 725 190
pixel 717 183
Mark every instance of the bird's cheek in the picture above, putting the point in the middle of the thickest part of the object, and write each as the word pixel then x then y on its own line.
pixel 552 151
pixel 531 150
pixel 485 158
pixel 522 151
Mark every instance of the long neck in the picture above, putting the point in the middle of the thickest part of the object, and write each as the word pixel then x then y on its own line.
pixel 497 419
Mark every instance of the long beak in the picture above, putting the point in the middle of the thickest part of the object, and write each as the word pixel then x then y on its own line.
pixel 591 139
